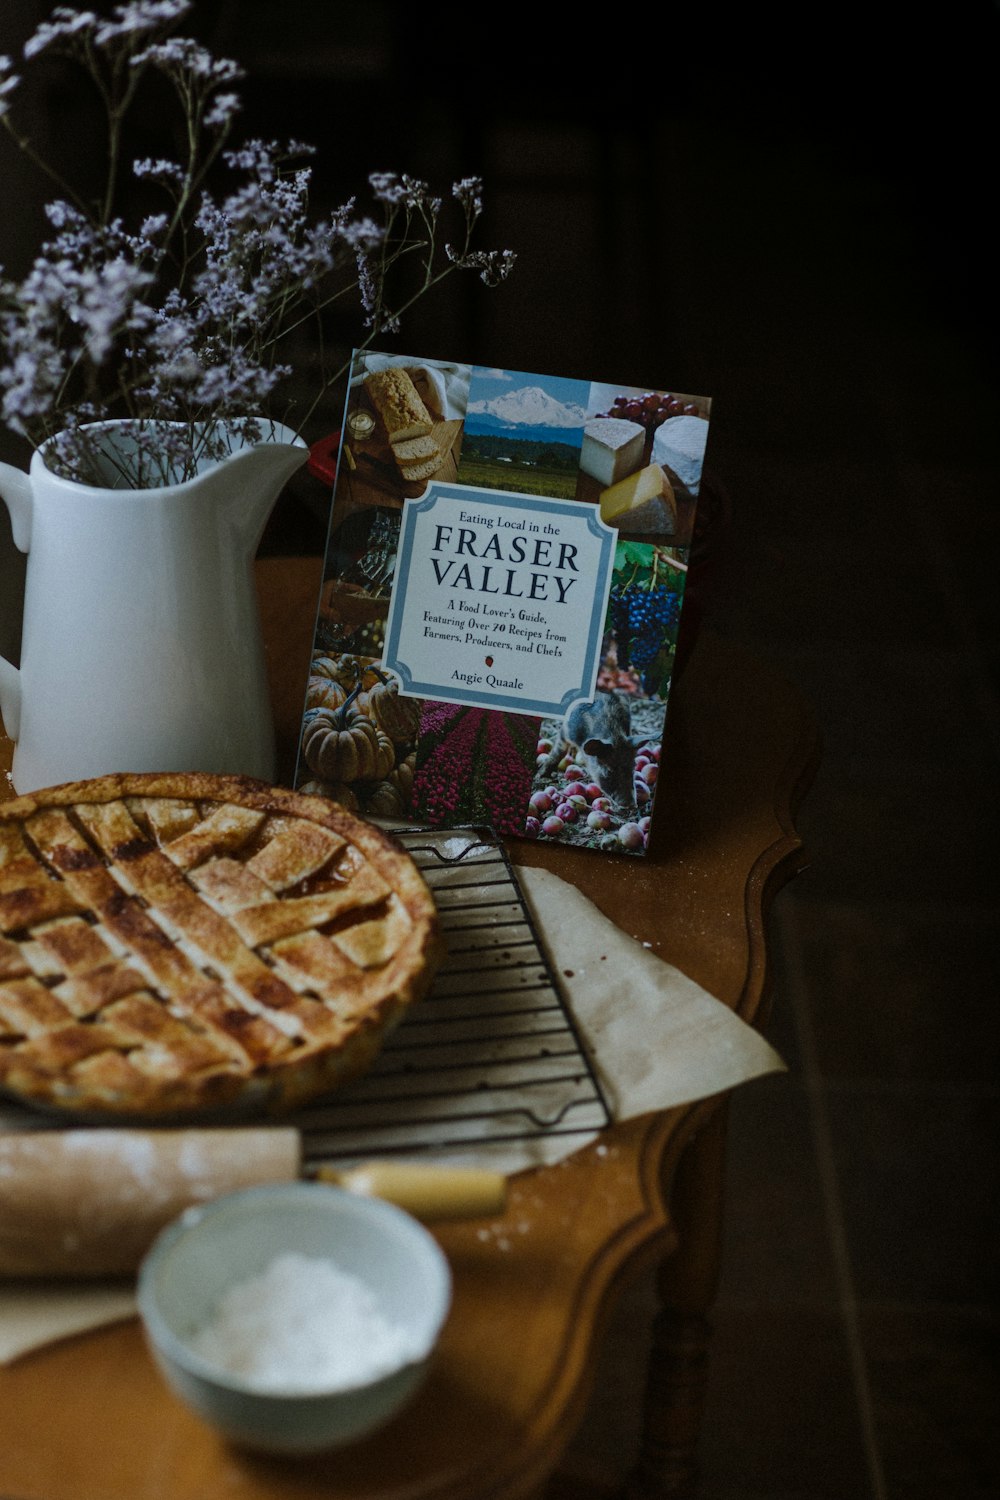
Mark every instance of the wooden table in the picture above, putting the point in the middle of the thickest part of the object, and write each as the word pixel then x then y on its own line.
pixel 89 1419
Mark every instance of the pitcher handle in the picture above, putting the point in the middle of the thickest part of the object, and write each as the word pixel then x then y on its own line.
pixel 15 489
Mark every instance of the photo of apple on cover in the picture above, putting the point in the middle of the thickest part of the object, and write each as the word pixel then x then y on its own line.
pixel 597 768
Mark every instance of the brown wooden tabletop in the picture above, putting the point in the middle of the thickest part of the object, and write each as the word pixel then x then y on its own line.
pixel 90 1419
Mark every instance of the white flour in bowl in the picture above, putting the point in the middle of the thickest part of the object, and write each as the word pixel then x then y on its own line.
pixel 303 1325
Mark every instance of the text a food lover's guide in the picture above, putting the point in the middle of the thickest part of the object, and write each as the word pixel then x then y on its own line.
pixel 502 587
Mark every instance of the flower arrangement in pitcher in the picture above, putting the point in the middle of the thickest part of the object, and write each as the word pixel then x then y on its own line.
pixel 179 323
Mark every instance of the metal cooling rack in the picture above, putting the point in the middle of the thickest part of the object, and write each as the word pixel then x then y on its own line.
pixel 491 1056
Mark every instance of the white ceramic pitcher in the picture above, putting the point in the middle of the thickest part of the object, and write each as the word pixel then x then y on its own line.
pixel 140 645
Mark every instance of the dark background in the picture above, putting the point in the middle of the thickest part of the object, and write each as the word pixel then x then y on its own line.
pixel 792 213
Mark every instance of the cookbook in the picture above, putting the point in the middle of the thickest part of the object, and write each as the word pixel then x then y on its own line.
pixel 502 587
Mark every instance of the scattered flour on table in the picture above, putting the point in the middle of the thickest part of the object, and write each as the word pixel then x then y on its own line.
pixel 303 1325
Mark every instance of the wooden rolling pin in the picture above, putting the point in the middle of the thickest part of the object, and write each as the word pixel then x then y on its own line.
pixel 90 1202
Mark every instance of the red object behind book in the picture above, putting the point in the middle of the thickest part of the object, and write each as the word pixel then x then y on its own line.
pixel 322 462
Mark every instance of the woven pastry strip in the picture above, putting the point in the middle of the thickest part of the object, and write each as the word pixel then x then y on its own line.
pixel 173 944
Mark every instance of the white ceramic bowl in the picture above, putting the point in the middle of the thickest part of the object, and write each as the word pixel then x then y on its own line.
pixel 195 1260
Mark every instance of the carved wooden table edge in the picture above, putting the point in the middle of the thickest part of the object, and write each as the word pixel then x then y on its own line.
pixel 776 866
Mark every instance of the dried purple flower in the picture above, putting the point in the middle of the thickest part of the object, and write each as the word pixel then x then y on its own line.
pixel 224 107
pixel 64 25
pixel 387 187
pixel 9 81
pixel 494 266
pixel 140 16
pixel 160 169
pixel 187 61
pixel 469 193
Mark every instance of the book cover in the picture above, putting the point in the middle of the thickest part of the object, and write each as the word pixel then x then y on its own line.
pixel 502 588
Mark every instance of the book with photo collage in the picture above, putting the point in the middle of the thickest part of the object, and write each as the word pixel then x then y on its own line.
pixel 502 588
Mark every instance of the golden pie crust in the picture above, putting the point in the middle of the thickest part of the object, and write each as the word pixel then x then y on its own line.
pixel 176 944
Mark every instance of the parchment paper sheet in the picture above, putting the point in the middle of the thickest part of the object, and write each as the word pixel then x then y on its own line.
pixel 656 1038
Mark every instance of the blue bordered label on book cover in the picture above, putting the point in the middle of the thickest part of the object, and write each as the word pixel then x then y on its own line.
pixel 499 599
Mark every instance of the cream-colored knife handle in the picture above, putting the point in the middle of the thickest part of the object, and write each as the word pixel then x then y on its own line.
pixel 424 1191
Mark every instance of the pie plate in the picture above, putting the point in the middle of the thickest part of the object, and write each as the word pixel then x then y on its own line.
pixel 183 945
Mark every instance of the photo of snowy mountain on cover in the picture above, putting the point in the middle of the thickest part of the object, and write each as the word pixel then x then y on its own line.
pixel 523 433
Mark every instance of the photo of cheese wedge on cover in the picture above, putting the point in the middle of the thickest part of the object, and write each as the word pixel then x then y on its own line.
pixel 635 495
pixel 641 460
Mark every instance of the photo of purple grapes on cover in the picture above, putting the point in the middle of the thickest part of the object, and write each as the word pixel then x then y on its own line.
pixel 473 765
pixel 597 769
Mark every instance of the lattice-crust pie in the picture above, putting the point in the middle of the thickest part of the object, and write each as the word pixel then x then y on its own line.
pixel 179 943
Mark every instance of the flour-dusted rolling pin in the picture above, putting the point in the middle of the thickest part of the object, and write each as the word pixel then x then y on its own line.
pixel 90 1202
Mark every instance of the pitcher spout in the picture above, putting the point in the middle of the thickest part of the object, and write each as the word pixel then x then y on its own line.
pixel 249 481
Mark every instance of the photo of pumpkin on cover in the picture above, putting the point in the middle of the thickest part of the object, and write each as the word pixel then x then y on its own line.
pixel 358 743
